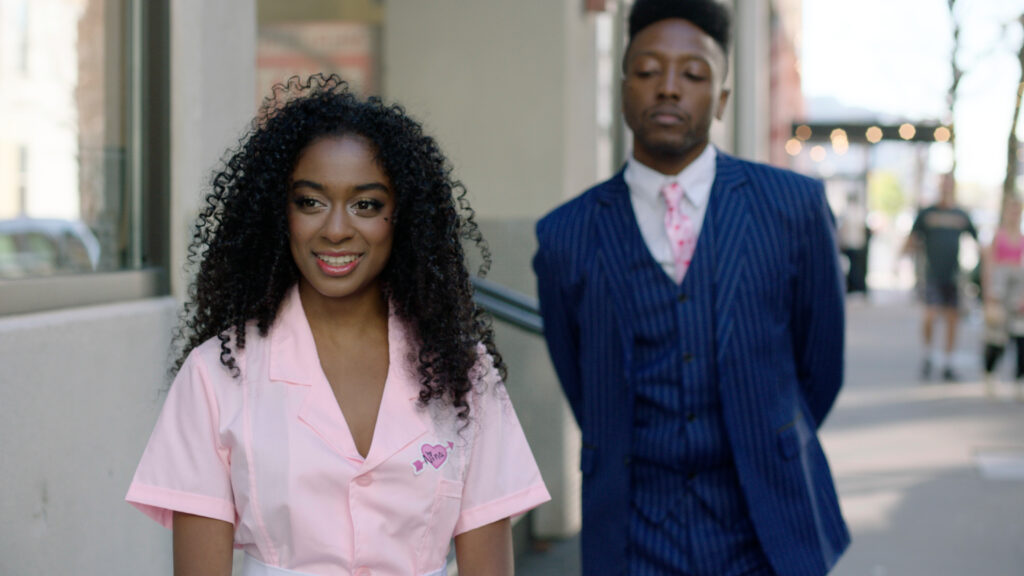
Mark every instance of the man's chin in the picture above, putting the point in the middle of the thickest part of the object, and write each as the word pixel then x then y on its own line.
pixel 669 148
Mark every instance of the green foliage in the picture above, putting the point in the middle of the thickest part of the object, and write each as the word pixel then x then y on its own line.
pixel 885 193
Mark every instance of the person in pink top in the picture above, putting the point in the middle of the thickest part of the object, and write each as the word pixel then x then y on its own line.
pixel 339 406
pixel 1003 294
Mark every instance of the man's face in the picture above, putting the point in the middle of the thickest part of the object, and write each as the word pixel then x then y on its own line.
pixel 671 89
pixel 947 191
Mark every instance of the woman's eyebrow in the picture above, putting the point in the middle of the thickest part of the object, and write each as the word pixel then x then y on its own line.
pixel 307 184
pixel 372 186
pixel 359 188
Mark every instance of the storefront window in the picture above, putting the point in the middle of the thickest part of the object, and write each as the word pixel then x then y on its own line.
pixel 64 202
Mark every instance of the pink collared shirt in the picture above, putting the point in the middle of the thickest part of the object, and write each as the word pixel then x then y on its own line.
pixel 271 453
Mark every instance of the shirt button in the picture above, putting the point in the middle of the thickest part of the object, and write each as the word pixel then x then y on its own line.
pixel 363 571
pixel 683 297
pixel 364 480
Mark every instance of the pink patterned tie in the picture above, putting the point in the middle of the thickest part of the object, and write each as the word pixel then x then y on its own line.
pixel 679 228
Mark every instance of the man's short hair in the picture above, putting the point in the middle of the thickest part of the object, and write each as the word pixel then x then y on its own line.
pixel 713 17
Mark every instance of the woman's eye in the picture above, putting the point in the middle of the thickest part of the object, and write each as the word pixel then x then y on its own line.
pixel 305 202
pixel 367 205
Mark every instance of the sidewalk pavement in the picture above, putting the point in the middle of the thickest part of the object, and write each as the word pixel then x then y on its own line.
pixel 930 474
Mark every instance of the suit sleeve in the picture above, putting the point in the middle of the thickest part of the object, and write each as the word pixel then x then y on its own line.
pixel 819 311
pixel 561 329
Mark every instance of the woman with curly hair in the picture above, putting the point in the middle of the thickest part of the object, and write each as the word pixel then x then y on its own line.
pixel 338 406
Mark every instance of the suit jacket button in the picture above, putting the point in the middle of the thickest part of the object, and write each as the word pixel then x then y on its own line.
pixel 683 297
pixel 688 358
pixel 691 475
pixel 627 460
pixel 690 417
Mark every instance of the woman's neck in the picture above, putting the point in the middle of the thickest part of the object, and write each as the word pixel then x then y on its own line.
pixel 344 317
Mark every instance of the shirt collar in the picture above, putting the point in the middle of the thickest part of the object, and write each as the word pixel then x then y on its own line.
pixel 294 359
pixel 696 179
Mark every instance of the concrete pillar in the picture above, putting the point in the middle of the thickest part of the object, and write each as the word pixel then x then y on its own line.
pixel 509 90
pixel 751 80
pixel 213 76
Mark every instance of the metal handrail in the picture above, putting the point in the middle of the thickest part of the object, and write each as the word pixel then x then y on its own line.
pixel 508 305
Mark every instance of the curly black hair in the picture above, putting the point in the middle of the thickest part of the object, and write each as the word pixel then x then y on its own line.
pixel 240 243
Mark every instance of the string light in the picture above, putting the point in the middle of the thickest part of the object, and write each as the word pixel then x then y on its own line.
pixel 907 131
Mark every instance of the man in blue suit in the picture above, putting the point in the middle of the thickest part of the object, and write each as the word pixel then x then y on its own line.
pixel 693 309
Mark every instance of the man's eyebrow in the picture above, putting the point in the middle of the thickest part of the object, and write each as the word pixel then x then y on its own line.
pixel 658 54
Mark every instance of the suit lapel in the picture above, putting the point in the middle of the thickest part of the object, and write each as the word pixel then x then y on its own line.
pixel 616 255
pixel 732 225
pixel 729 214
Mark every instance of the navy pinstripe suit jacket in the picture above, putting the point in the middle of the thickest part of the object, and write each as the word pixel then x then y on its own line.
pixel 778 326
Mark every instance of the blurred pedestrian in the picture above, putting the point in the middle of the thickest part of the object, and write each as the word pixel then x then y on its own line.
pixel 854 237
pixel 936 234
pixel 1002 288
pixel 339 407
pixel 693 309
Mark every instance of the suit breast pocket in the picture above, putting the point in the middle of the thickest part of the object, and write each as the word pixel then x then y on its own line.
pixel 444 513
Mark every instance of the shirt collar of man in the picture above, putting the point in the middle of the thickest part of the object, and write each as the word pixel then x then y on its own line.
pixel 696 179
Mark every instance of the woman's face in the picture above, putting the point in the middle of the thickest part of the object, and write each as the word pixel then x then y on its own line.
pixel 340 217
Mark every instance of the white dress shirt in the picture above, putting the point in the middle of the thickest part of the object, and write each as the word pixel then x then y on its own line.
pixel 645 186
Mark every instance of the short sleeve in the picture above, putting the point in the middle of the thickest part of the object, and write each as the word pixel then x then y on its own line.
pixel 184 467
pixel 502 478
pixel 916 226
pixel 970 226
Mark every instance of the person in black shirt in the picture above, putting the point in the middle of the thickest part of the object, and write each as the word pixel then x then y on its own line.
pixel 936 232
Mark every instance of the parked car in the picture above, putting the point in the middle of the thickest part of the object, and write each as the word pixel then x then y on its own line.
pixel 44 246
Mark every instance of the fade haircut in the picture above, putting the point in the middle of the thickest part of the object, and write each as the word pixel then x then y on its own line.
pixel 711 16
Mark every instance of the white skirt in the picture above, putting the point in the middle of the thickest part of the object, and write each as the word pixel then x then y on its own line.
pixel 253 567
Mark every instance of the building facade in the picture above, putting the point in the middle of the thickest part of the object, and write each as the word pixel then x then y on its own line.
pixel 115 112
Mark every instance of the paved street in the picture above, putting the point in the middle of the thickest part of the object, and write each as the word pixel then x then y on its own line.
pixel 931 475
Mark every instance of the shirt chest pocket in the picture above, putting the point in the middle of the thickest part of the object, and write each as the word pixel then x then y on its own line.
pixel 440 526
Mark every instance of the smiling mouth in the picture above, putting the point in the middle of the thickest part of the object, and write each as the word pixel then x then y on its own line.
pixel 337 265
pixel 338 260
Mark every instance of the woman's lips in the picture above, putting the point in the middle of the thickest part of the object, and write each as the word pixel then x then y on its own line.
pixel 337 264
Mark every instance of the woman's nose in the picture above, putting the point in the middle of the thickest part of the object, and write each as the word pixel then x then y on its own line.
pixel 337 227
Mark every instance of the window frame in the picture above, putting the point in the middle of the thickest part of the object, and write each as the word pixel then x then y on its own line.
pixel 147 183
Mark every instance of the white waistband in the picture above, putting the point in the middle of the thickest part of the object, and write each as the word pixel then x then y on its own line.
pixel 253 567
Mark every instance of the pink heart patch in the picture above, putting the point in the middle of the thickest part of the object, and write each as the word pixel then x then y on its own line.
pixel 435 455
